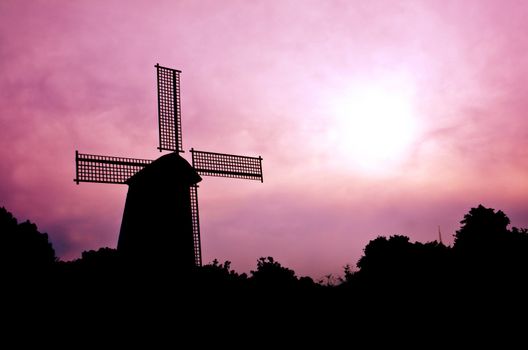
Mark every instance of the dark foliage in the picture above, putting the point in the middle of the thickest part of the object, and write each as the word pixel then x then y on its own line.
pixel 397 260
pixel 488 253
pixel 481 229
pixel 216 275
pixel 24 249
pixel 396 279
pixel 271 273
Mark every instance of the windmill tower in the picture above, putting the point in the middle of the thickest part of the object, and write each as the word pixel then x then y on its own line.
pixel 161 220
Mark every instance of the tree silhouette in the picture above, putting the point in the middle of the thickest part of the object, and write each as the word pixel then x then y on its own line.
pixel 481 229
pixel 271 273
pixel 348 273
pixel 395 276
pixel 403 266
pixel 24 248
pixel 218 275
pixel 487 250
pixel 386 257
pixel 103 262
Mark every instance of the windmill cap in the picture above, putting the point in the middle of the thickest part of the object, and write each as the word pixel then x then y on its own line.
pixel 168 168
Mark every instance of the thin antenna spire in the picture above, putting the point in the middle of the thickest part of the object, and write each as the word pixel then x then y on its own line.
pixel 440 235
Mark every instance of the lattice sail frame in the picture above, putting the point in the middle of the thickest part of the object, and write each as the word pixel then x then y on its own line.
pixel 106 169
pixel 169 109
pixel 196 225
pixel 227 165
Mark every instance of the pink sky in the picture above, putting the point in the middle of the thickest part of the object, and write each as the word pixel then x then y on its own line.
pixel 373 117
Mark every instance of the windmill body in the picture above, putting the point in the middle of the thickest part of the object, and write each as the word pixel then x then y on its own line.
pixel 158 203
pixel 160 222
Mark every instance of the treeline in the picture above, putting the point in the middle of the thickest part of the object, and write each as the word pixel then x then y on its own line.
pixel 398 286
pixel 485 250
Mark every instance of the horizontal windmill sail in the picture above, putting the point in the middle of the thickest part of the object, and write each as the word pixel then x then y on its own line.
pixel 106 169
pixel 227 165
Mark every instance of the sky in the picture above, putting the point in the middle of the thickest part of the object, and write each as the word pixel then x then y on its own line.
pixel 372 117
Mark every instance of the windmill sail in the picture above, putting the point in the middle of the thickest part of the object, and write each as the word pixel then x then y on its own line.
pixel 227 165
pixel 105 169
pixel 196 226
pixel 169 109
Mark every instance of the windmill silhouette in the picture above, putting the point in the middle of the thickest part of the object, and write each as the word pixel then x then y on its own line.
pixel 161 220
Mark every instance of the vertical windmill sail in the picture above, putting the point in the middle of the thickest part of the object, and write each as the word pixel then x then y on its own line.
pixel 170 137
pixel 169 109
pixel 223 165
pixel 196 225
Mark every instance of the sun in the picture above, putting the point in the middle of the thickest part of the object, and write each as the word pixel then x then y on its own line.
pixel 373 127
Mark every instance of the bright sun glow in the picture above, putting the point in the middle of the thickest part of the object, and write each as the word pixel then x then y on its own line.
pixel 374 128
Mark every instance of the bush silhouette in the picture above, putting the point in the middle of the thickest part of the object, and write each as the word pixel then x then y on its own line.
pixel 397 263
pixel 271 273
pixel 103 262
pixel 218 275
